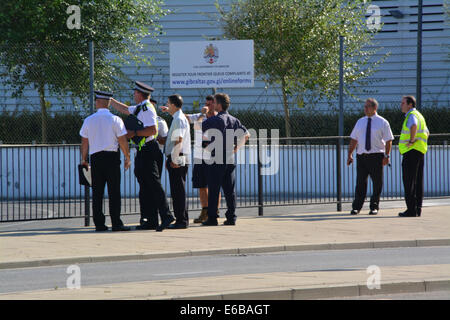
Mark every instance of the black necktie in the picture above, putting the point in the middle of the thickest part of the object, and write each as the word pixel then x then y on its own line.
pixel 369 121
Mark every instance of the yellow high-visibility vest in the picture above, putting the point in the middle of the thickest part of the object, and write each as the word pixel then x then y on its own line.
pixel 421 139
pixel 143 140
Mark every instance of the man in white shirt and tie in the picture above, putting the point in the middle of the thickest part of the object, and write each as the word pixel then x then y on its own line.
pixel 178 150
pixel 101 135
pixel 372 136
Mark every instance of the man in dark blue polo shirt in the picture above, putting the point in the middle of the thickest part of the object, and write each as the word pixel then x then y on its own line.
pixel 226 135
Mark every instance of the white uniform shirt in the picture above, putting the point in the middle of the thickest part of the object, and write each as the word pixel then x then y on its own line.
pixel 102 130
pixel 163 129
pixel 148 117
pixel 179 128
pixel 380 132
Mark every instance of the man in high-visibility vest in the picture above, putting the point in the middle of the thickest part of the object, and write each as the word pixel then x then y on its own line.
pixel 413 146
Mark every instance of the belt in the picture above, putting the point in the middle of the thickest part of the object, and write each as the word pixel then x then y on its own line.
pixel 104 152
pixel 370 154
pixel 147 145
pixel 170 156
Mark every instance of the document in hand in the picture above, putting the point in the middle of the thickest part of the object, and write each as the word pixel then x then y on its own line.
pixel 84 175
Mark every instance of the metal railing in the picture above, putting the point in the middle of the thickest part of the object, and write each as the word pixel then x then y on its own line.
pixel 39 182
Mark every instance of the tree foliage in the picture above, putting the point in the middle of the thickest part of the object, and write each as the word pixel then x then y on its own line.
pixel 297 44
pixel 38 49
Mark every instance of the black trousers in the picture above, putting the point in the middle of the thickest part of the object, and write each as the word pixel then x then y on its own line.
pixel 159 162
pixel 105 168
pixel 368 165
pixel 177 179
pixel 221 176
pixel 152 198
pixel 153 211
pixel 412 174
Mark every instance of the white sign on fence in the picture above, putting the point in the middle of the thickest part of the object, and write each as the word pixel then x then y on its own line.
pixel 212 64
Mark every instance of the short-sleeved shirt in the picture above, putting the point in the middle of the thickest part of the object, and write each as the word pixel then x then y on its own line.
pixel 163 129
pixel 146 115
pixel 102 130
pixel 223 122
pixel 179 128
pixel 380 133
pixel 412 120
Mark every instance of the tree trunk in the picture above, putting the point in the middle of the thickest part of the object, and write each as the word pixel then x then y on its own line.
pixel 41 90
pixel 286 109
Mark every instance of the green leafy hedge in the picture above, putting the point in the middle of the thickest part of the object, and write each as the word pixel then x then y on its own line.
pixel 314 124
pixel 64 127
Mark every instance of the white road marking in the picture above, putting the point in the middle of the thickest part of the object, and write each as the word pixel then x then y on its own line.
pixel 185 273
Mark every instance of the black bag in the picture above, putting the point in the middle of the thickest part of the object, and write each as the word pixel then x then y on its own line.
pixel 132 123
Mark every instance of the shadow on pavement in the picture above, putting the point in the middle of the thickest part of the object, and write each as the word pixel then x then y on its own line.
pixel 324 217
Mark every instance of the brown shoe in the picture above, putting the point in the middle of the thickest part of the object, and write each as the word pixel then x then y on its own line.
pixel 202 217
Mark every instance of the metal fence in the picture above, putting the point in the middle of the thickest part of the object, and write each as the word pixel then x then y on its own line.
pixel 39 182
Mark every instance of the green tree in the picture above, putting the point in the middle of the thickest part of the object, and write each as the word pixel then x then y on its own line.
pixel 41 49
pixel 297 44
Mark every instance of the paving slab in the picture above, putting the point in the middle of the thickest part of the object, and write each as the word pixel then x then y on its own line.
pixel 302 231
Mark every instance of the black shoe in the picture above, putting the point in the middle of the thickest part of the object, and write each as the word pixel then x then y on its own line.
pixel 165 224
pixel 229 223
pixel 353 212
pixel 406 214
pixel 101 228
pixel 210 223
pixel 121 228
pixel 373 212
pixel 177 226
pixel 146 227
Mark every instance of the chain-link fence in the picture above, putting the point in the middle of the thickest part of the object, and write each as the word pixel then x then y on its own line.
pixel 44 90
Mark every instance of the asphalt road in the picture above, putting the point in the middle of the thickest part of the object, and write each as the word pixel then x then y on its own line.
pixel 18 280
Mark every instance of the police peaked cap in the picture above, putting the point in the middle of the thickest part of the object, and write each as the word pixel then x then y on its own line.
pixel 142 87
pixel 103 95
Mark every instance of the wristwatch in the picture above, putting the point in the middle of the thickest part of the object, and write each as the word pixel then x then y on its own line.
pixel 386 156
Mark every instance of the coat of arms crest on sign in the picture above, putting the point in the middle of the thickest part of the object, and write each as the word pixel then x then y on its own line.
pixel 211 54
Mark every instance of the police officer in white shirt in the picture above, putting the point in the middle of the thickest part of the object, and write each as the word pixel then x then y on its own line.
pixel 178 150
pixel 151 192
pixel 372 136
pixel 102 133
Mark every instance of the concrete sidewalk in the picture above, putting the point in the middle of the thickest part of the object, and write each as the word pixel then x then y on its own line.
pixel 329 230
pixel 315 231
pixel 261 286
